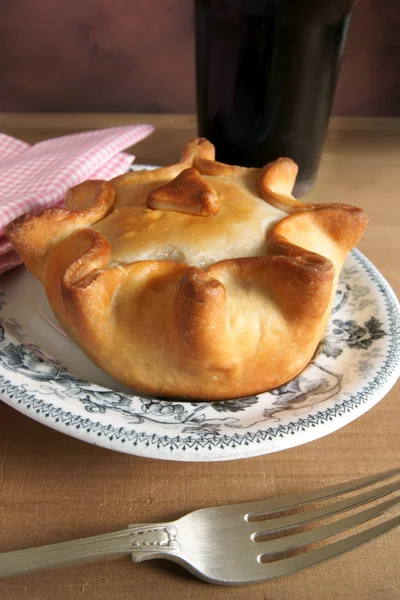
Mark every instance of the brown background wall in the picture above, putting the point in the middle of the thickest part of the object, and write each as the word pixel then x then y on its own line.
pixel 137 55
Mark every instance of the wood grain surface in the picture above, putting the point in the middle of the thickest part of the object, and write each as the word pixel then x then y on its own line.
pixel 55 488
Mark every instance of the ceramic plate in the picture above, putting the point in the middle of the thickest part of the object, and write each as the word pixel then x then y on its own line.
pixel 45 375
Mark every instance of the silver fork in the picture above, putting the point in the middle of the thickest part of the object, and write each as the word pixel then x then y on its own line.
pixel 224 544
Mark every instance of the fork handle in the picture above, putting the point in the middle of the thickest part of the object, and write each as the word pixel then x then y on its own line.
pixel 141 541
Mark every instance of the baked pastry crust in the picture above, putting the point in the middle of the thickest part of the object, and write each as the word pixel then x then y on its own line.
pixel 197 280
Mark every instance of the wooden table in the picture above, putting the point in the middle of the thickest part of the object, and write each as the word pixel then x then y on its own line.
pixel 54 488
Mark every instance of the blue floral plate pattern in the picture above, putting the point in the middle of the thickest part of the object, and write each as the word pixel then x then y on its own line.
pixel 45 375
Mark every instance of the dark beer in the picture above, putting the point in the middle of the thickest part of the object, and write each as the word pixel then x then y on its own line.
pixel 266 77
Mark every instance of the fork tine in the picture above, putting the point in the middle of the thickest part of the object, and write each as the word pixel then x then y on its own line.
pixel 286 566
pixel 298 540
pixel 264 507
pixel 291 521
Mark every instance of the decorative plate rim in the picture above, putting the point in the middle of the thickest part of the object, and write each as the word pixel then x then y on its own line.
pixel 244 445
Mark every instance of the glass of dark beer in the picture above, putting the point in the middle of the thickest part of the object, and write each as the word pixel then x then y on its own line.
pixel 266 77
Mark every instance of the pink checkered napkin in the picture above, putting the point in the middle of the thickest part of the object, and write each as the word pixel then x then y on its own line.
pixel 36 177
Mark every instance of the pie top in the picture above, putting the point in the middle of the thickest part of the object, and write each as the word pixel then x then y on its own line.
pixel 237 229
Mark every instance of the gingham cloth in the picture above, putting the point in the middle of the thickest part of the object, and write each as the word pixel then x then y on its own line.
pixel 36 177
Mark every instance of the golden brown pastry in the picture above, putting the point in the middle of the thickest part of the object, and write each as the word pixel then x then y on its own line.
pixel 198 280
